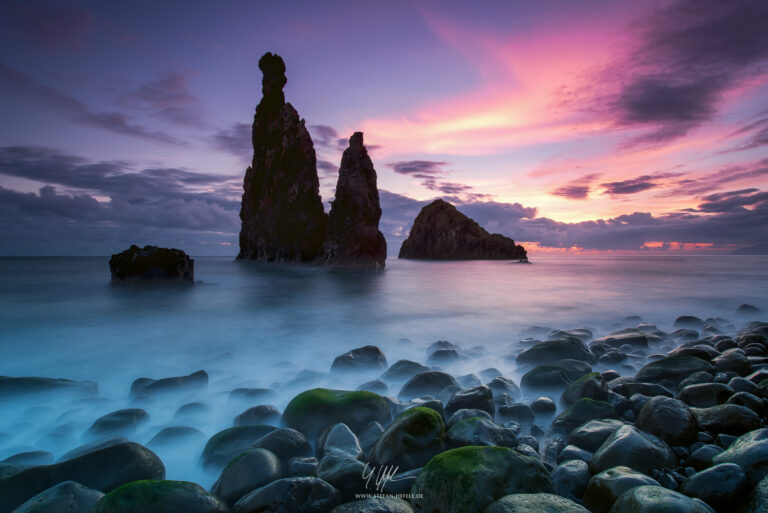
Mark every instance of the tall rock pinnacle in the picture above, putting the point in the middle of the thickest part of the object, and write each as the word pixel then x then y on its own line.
pixel 282 213
pixel 353 238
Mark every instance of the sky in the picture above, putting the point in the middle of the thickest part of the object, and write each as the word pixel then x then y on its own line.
pixel 580 127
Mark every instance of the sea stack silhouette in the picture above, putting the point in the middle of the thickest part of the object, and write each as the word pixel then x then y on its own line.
pixel 354 239
pixel 282 214
pixel 441 232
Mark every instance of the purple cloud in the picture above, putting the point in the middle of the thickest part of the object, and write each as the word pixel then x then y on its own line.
pixel 235 140
pixel 576 189
pixel 168 97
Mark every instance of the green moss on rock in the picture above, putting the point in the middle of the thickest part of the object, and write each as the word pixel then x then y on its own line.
pixel 159 497
pixel 412 439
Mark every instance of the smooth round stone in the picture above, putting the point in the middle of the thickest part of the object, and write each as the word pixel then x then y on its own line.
pixel 290 495
pixel 176 435
pixel 249 470
pixel 534 503
pixel 263 414
pixel 654 499
pixel 632 448
pixel 125 421
pixel 604 488
pixel 705 395
pixel 477 398
pixel 375 505
pixel 520 413
pixel 591 435
pixel 501 385
pixel 361 359
pixel 572 452
pixel 467 414
pixel 720 486
pixel 285 443
pixel 570 478
pixel 341 441
pixel 750 452
pixel 669 419
pixel 160 497
pixel 543 406
pixel 701 458
pixel 479 431
pixel 377 386
pixel 65 497
pixel 226 444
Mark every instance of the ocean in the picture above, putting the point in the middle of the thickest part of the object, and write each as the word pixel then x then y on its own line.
pixel 259 325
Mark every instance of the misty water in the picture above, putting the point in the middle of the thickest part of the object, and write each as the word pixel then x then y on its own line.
pixel 259 326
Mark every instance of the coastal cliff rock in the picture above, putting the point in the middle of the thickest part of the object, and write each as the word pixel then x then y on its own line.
pixel 354 239
pixel 441 232
pixel 282 213
pixel 151 264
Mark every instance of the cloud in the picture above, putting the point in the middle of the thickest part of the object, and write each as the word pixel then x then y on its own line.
pixel 235 140
pixel 327 137
pixel 690 53
pixel 327 168
pixel 734 201
pixel 714 180
pixel 168 97
pixel 576 189
pixel 22 85
pixel 52 25
pixel 631 186
pixel 418 167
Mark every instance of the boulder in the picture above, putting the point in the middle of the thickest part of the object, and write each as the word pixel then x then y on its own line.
pixel 551 351
pixel 249 470
pixel 282 214
pixel 467 414
pixel 705 395
pixel 443 357
pixel 146 386
pixel 730 419
pixel 65 497
pixel 750 452
pixel 701 458
pixel 441 232
pixel 118 422
pixel 30 458
pixel 160 497
pixel 312 411
pixel 176 435
pixel 470 478
pixel 759 498
pixel 478 431
pixel 290 495
pixel 228 443
pixel 591 435
pixel 570 478
pixel 477 398
pixel 412 439
pixel 721 486
pixel 534 503
pixel 654 499
pixel 591 386
pixel 607 486
pixel 546 377
pixel 345 474
pixel 353 239
pixel 501 385
pixel 426 383
pixel 263 414
pixel 151 264
pixel 339 440
pixel 375 505
pixel 403 370
pixel 671 370
pixel 583 411
pixel 668 419
pixel 103 466
pixel 11 387
pixel 285 443
pixel 635 449
pixel 361 359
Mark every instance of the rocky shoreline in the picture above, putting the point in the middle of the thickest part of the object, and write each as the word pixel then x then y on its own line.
pixel 633 420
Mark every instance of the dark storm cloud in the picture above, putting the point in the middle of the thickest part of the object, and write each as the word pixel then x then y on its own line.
pixel 22 85
pixel 576 189
pixel 49 25
pixel 168 97
pixel 734 201
pixel 690 53
pixel 235 140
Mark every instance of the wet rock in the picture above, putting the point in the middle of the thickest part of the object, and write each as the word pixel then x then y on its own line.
pixel 375 505
pixel 668 419
pixel 440 232
pixel 470 478
pixel 591 386
pixel 477 398
pixel 747 309
pixel 701 458
pixel 543 406
pixel 249 470
pixel 467 414
pixel 65 497
pixel 426 383
pixel 30 458
pixel 160 497
pixel 573 452
pixel 360 359
pixel 353 239
pixel 151 264
pixel 652 499
pixel 748 400
pixel 226 444
pixel 721 486
pixel 264 414
pixel 520 413
pixel 146 386
pixel 546 377
pixel 591 435
pixel 688 321
pixel 632 448
pixel 733 360
pixel 570 478
pixel 92 466
pixel 301 467
pixel 443 357
pixel 290 495
pixel 551 351
pixel 635 339
pixel 534 503
pixel 750 452
pixel 340 441
pixel 174 435
pixel 191 411
pixel 345 474
pixel 118 422
pixel 468 381
pixel 400 483
pixel 740 384
pixel 478 431
pixel 282 213
pixel 376 386
pixel 312 411
pixel 670 371
pixel 759 498
pixel 574 368
pixel 583 411
pixel 20 387
pixel 501 385
pixel 730 419
pixel 369 436
pixel 403 370
pixel 705 395
pixel 412 439
pixel 285 443
pixel 605 487
pixel 627 387
pixel 696 378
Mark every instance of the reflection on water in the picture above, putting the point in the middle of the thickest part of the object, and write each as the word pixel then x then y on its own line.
pixel 252 325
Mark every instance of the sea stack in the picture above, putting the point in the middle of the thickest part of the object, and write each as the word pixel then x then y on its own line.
pixel 354 239
pixel 282 214
pixel 441 232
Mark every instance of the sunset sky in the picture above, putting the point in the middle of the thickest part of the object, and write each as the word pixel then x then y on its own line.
pixel 580 126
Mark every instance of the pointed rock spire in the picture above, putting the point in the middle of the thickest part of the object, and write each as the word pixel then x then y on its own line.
pixel 353 238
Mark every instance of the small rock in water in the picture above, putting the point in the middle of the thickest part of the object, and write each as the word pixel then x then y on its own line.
pixel 147 386
pixel 361 359
pixel 249 470
pixel 226 444
pixel 118 422
pixel 285 443
pixel 174 435
pixel 263 414
pixel 152 264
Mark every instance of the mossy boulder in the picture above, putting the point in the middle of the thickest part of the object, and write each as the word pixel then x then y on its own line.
pixel 534 503
pixel 468 479
pixel 228 443
pixel 670 371
pixel 160 497
pixel 582 411
pixel 312 411
pixel 546 377
pixel 412 439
